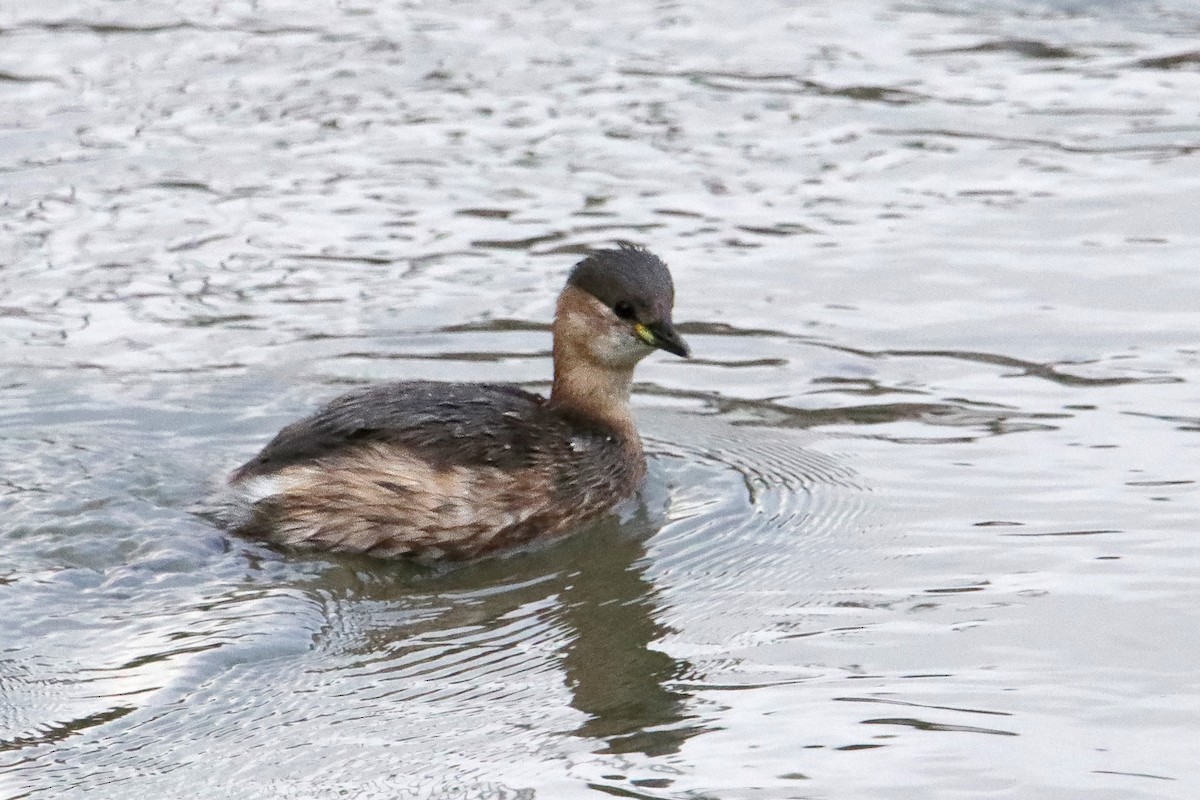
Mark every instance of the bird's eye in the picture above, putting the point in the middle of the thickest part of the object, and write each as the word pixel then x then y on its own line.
pixel 623 310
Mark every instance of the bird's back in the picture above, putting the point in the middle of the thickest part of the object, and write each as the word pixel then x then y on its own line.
pixel 433 469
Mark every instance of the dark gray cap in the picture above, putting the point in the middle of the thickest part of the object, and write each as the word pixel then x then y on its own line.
pixel 628 275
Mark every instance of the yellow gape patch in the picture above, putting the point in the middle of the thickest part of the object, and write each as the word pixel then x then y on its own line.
pixel 645 334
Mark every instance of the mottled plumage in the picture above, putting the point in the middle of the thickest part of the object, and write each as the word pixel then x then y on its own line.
pixel 448 424
pixel 458 470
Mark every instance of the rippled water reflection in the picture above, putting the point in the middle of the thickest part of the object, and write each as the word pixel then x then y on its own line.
pixel 921 511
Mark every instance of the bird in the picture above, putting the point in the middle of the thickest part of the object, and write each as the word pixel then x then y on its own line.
pixel 454 471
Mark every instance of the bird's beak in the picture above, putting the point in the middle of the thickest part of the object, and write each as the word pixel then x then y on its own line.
pixel 664 337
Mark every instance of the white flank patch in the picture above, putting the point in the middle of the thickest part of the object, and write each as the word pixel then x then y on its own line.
pixel 236 502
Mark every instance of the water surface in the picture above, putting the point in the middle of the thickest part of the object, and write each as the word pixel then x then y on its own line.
pixel 922 510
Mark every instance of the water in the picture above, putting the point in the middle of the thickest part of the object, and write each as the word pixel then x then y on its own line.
pixel 921 518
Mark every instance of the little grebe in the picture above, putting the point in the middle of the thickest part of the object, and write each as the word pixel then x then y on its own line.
pixel 457 470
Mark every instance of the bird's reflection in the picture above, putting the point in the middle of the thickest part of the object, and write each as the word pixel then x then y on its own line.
pixel 598 593
pixel 616 678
